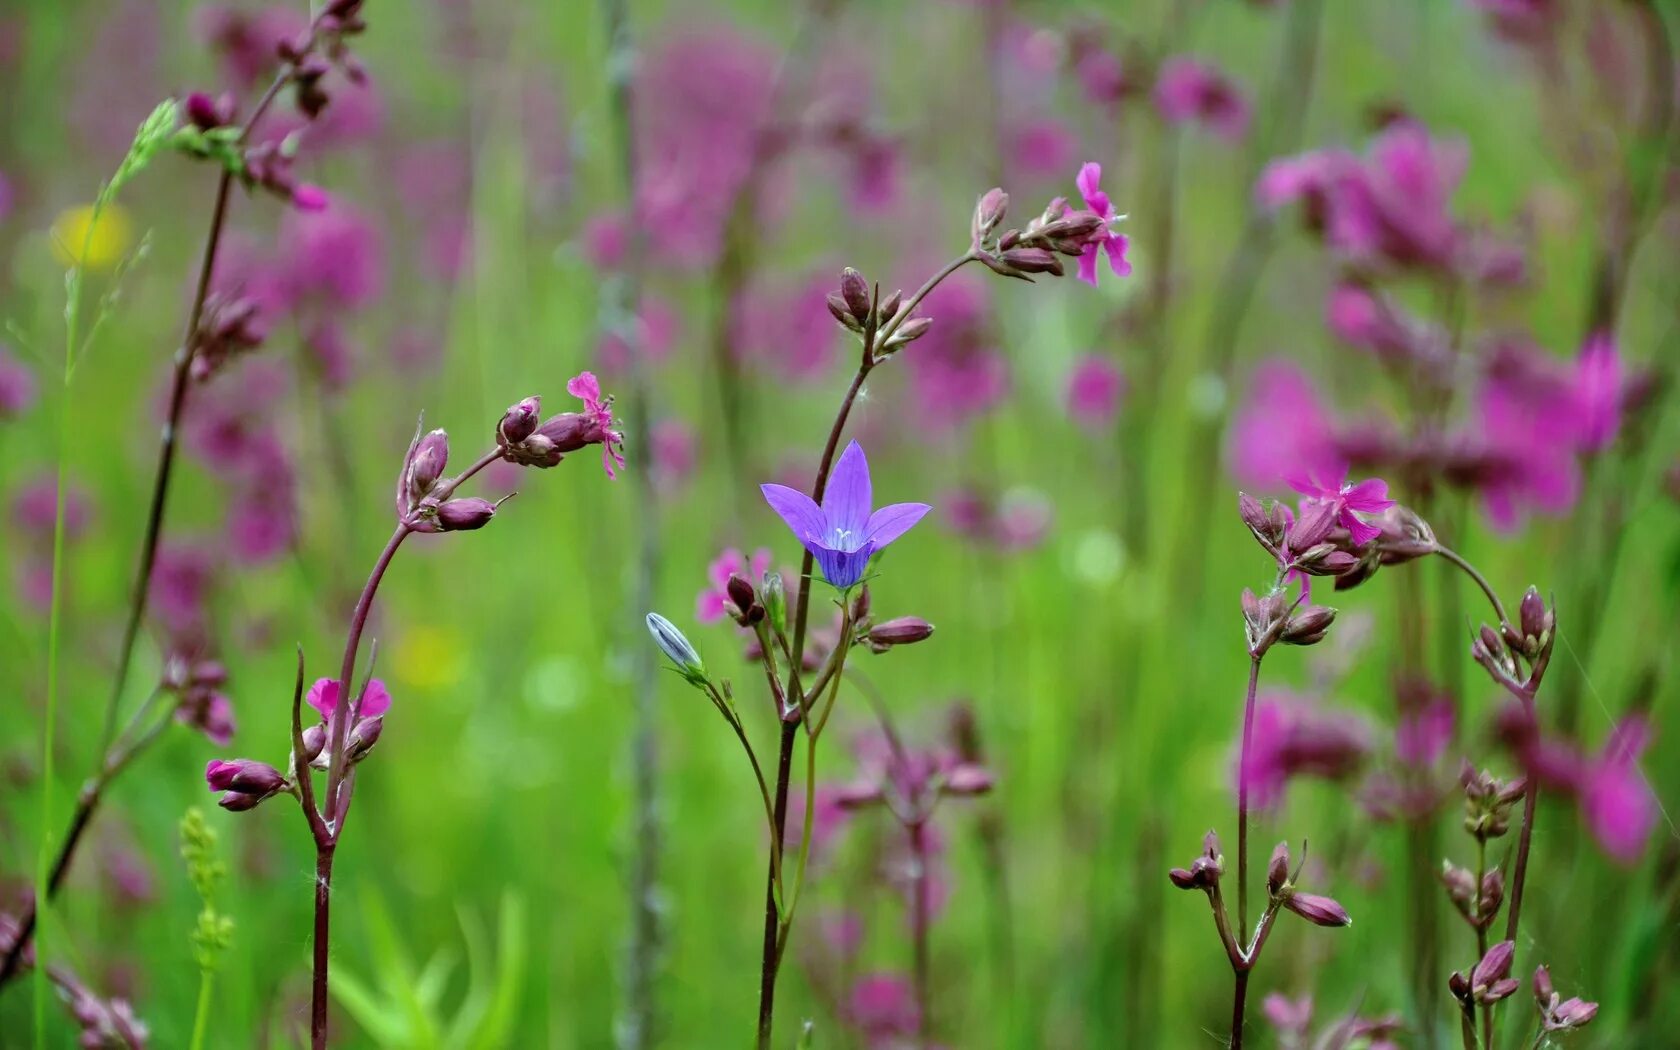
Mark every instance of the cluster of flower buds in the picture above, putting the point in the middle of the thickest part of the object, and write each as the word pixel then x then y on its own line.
pixel 244 783
pixel 1560 1015
pixel 268 165
pixel 208 112
pixel 1280 886
pixel 1275 617
pixel 425 498
pixel 103 1022
pixel 912 783
pixel 527 439
pixel 230 325
pixel 1488 802
pixel 1490 980
pixel 1478 905
pixel 196 684
pixel 743 605
pixel 1018 253
pixel 1311 544
pixel 1204 872
pixel 860 308
pixel 320 49
pixel 1503 653
pixel 1405 537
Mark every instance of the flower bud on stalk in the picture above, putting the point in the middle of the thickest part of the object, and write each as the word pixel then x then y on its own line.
pixel 774 599
pixel 904 630
pixel 1318 910
pixel 1308 626
pixel 677 648
pixel 519 422
pixel 989 211
pixel 1277 870
pixel 854 292
pixel 465 514
pixel 363 737
pixel 748 611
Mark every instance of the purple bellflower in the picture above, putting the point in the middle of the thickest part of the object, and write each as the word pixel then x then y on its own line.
pixel 843 533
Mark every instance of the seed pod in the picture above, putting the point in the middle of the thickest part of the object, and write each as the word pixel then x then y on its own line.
pixel 855 291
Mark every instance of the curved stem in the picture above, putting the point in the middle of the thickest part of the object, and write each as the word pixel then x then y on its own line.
pixel 896 322
pixel 1481 581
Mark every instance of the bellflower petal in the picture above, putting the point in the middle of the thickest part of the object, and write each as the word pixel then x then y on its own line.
pixel 847 500
pixel 891 522
pixel 800 512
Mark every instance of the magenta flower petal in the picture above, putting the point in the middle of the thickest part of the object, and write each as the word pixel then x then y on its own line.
pixel 800 512
pixel 1090 174
pixel 1088 265
pixel 1116 246
pixel 847 499
pixel 891 522
pixel 1369 496
pixel 376 700
pixel 323 696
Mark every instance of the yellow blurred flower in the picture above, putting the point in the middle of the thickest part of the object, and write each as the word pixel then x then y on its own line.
pixel 106 243
pixel 428 658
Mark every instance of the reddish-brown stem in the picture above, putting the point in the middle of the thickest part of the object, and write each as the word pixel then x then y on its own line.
pixel 770 960
pixel 323 905
pixel 1242 793
pixel 1239 1007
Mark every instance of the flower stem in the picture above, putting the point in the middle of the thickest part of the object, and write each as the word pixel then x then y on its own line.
pixel 1239 1007
pixel 201 1018
pixel 770 960
pixel 323 906
pixel 919 929
pixel 1474 574
pixel 1481 931
pixel 1242 794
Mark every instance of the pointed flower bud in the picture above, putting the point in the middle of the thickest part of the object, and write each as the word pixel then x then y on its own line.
pixel 904 630
pixel 855 291
pixel 1308 626
pixel 676 647
pixel 842 313
pixel 243 776
pixel 989 211
pixel 464 514
pixel 909 332
pixel 1489 980
pixel 422 468
pixel 1318 910
pixel 1277 871
pixel 519 422
pixel 363 736
pixel 774 599
pixel 314 739
pixel 1544 994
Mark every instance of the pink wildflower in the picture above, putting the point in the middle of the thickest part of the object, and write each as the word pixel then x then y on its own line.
pixel 1105 239
pixel 1189 90
pixel 587 389
pixel 1094 392
pixel 1366 497
pixel 1616 800
pixel 713 604
pixel 323 697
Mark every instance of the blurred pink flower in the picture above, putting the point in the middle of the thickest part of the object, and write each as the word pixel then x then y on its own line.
pixel 335 256
pixel 1599 392
pixel 1101 75
pixel 1616 800
pixel 323 697
pixel 1281 428
pixel 6 197
pixel 1187 89
pixel 657 332
pixel 788 328
pixel 713 603
pixel 1094 391
pixel 17 385
pixel 1422 735
pixel 35 508
pixel 956 371
pixel 1294 737
pixel 882 1008
pixel 245 42
pixel 1044 147
pixel 182 579
pixel 673 453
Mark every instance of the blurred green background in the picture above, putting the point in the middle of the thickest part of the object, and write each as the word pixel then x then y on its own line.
pixel 1104 661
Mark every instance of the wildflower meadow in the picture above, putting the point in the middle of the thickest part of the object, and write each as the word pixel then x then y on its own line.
pixel 839 524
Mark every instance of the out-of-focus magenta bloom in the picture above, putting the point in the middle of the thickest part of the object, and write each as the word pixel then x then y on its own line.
pixel 656 333
pixel 882 1008
pixel 673 453
pixel 17 385
pixel 956 370
pixel 1017 521
pixel 713 603
pixel 1388 208
pixel 246 41
pixel 875 168
pixel 1350 500
pixel 331 354
pixel 1521 449
pixel 1362 318
pixel 335 256
pixel 1422 735
pixel 1296 738
pixel 1187 89
pixel 828 817
pixel 1291 1017
pixel 605 240
pixel 703 98
pixel 1105 240
pixel 1522 21
pixel 1044 147
pixel 6 197
pixel 1101 75
pixel 182 578
pixel 1282 427
pixel 323 697
pixel 1616 800
pixel 1094 392
pixel 210 712
pixel 845 532
pixel 35 508
pixel 586 388
pixel 117 74
pixel 788 328
pixel 1598 392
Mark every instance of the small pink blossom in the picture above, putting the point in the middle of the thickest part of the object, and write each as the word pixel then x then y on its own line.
pixel 1282 426
pixel 1044 147
pixel 323 697
pixel 586 388
pixel 674 453
pixel 713 603
pixel 1422 735
pixel 882 1007
pixel 1106 239
pixel 1350 500
pixel 1598 393
pixel 17 382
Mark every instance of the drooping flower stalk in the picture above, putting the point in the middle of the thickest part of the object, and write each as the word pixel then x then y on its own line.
pixel 115 753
